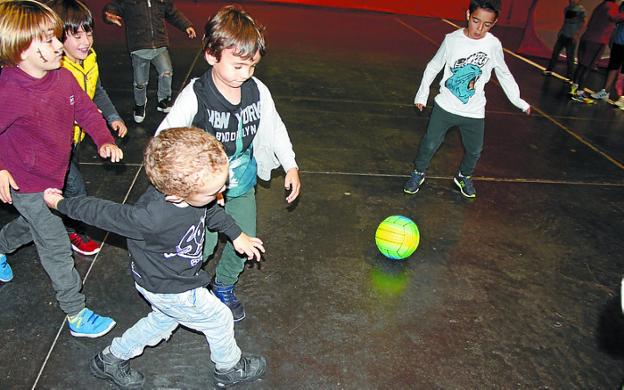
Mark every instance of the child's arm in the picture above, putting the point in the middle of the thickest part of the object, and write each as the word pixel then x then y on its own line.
pixel 177 18
pixel 273 142
pixel 182 112
pixel 89 118
pixel 125 220
pixel 218 220
pixel 507 81
pixel 113 13
pixel 104 104
pixel 431 71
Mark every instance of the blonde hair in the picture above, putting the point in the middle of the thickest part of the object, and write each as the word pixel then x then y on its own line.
pixel 233 28
pixel 21 22
pixel 180 161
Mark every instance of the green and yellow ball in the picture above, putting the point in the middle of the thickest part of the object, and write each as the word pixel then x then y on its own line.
pixel 397 237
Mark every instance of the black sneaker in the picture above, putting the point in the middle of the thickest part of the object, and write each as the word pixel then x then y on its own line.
pixel 465 186
pixel 225 293
pixel 248 369
pixel 106 366
pixel 413 183
pixel 139 112
pixel 164 105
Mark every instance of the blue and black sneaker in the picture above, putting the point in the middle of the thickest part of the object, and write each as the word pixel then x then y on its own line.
pixel 225 293
pixel 465 185
pixel 6 273
pixel 413 183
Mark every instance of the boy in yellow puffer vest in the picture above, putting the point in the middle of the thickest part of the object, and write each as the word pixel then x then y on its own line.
pixel 80 60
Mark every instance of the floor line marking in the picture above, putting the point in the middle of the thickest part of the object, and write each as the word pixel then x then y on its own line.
pixel 84 282
pixel 475 178
pixel 566 129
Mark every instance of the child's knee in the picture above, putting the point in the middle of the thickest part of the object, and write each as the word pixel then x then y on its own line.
pixel 140 86
pixel 167 73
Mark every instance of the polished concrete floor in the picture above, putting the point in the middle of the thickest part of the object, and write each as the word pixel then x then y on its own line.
pixel 518 289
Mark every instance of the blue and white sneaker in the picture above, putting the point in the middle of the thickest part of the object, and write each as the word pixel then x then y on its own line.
pixel 88 324
pixel 465 185
pixel 413 183
pixel 6 273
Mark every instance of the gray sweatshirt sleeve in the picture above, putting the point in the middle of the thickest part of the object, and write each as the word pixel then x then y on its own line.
pixel 104 104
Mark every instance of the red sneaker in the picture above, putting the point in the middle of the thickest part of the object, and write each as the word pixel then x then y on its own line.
pixel 84 246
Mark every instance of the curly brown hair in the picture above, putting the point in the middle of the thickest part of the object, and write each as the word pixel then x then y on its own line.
pixel 180 161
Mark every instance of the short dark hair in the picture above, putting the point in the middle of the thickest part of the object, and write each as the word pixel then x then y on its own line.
pixel 74 15
pixel 233 28
pixel 490 5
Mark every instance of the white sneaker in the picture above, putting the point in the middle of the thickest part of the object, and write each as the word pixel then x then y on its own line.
pixel 602 94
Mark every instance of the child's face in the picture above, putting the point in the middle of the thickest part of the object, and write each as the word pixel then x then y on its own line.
pixel 208 192
pixel 231 71
pixel 479 23
pixel 77 45
pixel 43 55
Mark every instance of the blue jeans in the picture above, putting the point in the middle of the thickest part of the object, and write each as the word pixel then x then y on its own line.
pixel 196 309
pixel 141 60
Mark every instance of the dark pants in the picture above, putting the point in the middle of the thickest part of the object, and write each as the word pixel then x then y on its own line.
pixel 471 130
pixel 36 223
pixel 570 46
pixel 74 186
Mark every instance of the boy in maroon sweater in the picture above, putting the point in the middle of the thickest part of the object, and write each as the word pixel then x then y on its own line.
pixel 40 103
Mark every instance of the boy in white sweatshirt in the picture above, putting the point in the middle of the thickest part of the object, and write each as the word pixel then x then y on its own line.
pixel 468 56
pixel 238 110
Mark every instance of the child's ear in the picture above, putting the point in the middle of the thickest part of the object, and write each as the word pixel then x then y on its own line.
pixel 210 59
pixel 174 199
pixel 468 15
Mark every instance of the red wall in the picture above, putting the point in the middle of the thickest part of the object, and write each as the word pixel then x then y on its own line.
pixel 513 12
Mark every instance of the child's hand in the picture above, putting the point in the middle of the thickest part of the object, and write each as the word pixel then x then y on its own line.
pixel 528 111
pixel 420 106
pixel 112 18
pixel 292 183
pixel 120 127
pixel 52 196
pixel 6 183
pixel 190 32
pixel 250 246
pixel 112 151
pixel 220 199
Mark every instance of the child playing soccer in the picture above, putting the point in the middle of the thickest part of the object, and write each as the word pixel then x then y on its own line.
pixel 188 169
pixel 80 59
pixel 39 105
pixel 148 41
pixel 239 111
pixel 468 56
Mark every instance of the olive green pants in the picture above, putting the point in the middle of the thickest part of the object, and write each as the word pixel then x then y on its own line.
pixel 231 264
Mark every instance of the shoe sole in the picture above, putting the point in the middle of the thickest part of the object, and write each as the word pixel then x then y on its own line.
pixel 165 110
pixel 6 280
pixel 93 335
pixel 98 373
pixel 139 119
pixel 85 253
pixel 461 189
pixel 417 189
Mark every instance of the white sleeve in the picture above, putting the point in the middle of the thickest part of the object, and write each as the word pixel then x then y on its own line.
pixel 506 79
pixel 431 71
pixel 183 110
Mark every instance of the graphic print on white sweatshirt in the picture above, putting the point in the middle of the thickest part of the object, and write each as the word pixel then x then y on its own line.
pixel 466 72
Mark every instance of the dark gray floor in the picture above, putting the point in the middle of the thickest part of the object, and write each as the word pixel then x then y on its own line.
pixel 517 289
